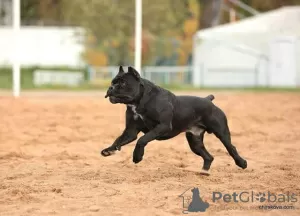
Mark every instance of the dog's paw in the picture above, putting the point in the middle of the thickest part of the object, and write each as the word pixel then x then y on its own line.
pixel 204 172
pixel 107 152
pixel 241 163
pixel 137 158
pixel 138 154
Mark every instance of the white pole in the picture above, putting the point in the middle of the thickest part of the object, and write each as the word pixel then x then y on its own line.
pixel 138 35
pixel 16 63
pixel 232 15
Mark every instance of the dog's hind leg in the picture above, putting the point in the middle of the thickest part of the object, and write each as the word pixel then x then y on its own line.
pixel 217 123
pixel 197 146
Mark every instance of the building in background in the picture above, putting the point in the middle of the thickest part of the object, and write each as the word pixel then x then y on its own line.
pixel 259 51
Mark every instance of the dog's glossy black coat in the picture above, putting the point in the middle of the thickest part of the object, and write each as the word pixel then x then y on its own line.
pixel 161 115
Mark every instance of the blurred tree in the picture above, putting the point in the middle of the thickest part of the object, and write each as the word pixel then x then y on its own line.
pixel 110 25
pixel 114 20
pixel 190 27
pixel 45 12
pixel 210 11
pixel 29 11
pixel 50 12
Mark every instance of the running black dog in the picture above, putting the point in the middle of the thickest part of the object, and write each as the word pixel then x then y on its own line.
pixel 161 115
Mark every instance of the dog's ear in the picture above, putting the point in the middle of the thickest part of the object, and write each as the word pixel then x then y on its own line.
pixel 121 71
pixel 134 73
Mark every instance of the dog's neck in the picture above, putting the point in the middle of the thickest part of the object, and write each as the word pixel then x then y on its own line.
pixel 146 88
pixel 141 93
pixel 138 98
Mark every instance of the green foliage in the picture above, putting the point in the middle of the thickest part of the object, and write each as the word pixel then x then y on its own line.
pixel 6 78
pixel 111 21
pixel 27 83
pixel 45 12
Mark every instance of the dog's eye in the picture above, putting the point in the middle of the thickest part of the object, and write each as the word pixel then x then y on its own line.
pixel 122 83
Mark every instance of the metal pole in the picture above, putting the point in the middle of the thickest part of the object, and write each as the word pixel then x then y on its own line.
pixel 16 63
pixel 138 35
pixel 245 7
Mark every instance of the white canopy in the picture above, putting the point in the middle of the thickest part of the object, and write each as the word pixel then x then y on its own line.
pixel 282 21
pixel 245 52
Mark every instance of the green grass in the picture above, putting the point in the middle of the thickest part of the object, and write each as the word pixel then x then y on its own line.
pixel 89 87
pixel 6 77
pixel 27 83
pixel 250 89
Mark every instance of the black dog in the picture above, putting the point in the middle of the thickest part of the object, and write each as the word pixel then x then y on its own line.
pixel 161 115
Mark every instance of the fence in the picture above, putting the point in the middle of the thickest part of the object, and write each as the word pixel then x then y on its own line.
pixel 226 77
pixel 186 75
pixel 218 75
pixel 204 76
pixel 157 74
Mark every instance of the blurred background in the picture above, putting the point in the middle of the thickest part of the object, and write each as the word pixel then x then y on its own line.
pixel 185 43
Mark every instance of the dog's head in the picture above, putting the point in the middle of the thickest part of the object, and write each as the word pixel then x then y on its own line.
pixel 195 191
pixel 125 87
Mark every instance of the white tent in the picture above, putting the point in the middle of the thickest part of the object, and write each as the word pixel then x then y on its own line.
pixel 257 51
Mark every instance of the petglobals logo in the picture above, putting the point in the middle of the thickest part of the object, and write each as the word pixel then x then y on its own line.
pixel 246 197
pixel 195 201
pixel 192 201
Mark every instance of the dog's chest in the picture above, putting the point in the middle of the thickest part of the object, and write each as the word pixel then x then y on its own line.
pixel 135 113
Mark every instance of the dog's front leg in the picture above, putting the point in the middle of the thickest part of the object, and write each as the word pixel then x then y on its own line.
pixel 164 127
pixel 127 136
pixel 138 152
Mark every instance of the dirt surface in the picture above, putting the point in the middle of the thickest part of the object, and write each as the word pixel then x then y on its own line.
pixel 50 162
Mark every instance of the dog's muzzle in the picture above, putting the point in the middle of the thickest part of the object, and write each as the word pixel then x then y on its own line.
pixel 109 92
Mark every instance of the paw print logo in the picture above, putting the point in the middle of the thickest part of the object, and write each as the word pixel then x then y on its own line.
pixel 260 197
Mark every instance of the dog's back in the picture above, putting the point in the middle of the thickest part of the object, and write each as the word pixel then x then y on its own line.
pixel 195 103
pixel 186 108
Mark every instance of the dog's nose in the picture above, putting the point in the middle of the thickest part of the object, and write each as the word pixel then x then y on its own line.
pixel 109 91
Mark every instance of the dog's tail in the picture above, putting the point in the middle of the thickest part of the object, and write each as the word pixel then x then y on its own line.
pixel 210 97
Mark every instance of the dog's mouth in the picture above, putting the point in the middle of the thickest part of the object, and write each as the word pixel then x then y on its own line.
pixel 118 98
pixel 113 99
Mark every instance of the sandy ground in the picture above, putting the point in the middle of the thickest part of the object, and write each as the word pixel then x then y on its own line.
pixel 50 162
